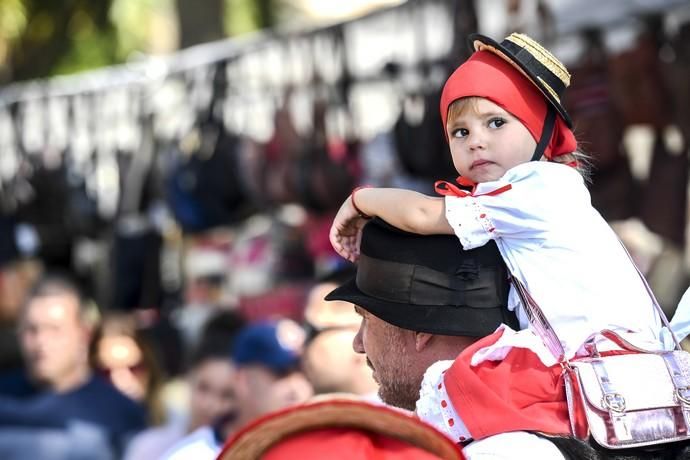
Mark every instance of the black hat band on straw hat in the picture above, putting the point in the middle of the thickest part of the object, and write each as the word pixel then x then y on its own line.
pixel 534 61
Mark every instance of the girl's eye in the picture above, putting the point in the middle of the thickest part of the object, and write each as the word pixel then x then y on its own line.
pixel 460 132
pixel 496 123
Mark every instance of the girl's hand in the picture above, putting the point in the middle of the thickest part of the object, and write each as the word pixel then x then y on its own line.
pixel 346 231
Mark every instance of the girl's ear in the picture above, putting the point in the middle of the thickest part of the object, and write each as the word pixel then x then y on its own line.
pixel 421 340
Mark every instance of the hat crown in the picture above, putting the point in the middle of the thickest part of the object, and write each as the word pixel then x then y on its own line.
pixel 541 54
pixel 537 64
pixel 442 253
pixel 429 283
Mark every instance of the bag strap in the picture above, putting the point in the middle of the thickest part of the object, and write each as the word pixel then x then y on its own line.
pixel 548 335
pixel 657 307
pixel 539 322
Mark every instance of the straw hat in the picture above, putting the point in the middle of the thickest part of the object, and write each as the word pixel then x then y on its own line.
pixel 537 63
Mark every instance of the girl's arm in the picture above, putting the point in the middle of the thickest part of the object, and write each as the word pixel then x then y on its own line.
pixel 404 209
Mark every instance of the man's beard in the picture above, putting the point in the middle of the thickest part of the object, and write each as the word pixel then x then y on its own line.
pixel 398 384
pixel 398 393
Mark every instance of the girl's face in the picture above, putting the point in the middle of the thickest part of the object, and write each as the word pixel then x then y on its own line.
pixel 486 141
pixel 212 391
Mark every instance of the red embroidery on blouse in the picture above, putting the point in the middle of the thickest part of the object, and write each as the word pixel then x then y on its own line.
pixel 447 189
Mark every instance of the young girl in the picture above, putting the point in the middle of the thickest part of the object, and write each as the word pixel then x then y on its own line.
pixel 511 142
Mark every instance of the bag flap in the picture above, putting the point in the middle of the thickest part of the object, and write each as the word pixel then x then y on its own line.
pixel 642 380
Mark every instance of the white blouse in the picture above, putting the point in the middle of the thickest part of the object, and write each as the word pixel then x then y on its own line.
pixel 559 246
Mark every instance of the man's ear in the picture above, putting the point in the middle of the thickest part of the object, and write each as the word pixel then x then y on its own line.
pixel 422 340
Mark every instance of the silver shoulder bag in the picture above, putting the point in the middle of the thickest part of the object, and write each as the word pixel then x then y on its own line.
pixel 632 397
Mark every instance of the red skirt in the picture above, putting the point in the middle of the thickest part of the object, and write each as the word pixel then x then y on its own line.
pixel 518 393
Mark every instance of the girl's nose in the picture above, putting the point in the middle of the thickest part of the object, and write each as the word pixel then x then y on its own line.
pixel 476 140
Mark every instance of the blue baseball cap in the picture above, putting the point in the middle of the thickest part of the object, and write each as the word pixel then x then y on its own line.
pixel 276 345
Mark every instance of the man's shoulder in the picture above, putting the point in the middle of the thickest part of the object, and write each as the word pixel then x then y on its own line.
pixel 512 445
pixel 98 387
pixel 16 384
pixel 106 402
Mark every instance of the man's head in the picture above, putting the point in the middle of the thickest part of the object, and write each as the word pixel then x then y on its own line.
pixel 399 357
pixel 329 361
pixel 422 299
pixel 268 357
pixel 333 367
pixel 54 334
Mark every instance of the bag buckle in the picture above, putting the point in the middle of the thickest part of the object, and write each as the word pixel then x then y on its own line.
pixel 615 402
pixel 683 395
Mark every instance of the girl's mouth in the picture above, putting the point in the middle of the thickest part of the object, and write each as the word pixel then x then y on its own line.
pixel 479 163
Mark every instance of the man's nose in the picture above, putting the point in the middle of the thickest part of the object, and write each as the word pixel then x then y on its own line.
pixel 357 344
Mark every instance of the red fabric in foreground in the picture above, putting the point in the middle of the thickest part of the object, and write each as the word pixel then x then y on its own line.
pixel 345 444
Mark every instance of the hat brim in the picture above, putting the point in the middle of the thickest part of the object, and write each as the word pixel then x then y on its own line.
pixel 479 42
pixel 432 319
pixel 341 412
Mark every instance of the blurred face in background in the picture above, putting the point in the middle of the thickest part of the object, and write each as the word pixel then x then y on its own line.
pixel 121 358
pixel 329 361
pixel 332 365
pixel 212 391
pixel 260 390
pixel 15 281
pixel 54 341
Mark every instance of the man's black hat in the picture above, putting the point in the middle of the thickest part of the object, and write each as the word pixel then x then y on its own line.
pixel 429 283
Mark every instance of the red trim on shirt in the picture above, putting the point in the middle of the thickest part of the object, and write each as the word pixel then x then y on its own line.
pixel 446 188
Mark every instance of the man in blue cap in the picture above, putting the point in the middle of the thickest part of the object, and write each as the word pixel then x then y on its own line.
pixel 268 377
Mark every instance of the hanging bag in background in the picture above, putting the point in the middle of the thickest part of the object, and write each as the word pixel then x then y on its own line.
pixel 590 101
pixel 630 397
pixel 421 144
pixel 664 200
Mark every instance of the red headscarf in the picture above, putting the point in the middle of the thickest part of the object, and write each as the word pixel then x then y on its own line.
pixel 487 75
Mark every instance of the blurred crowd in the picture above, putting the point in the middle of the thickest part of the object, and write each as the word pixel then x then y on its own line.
pixel 96 386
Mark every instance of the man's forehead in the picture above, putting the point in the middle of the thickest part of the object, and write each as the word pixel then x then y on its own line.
pixel 54 307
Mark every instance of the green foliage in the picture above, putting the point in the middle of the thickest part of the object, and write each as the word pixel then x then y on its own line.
pixel 40 38
pixel 12 19
pixel 133 20
pixel 245 16
pixel 240 17
pixel 94 49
